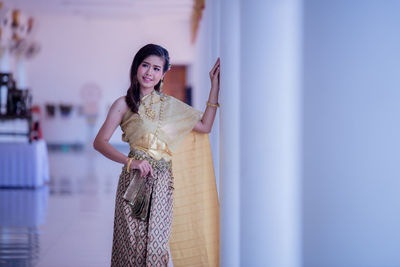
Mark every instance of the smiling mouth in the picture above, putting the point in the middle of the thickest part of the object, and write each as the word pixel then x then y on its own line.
pixel 147 79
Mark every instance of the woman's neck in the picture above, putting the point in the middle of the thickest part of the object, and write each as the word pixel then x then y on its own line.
pixel 144 92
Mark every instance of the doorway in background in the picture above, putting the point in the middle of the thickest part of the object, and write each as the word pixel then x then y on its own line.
pixel 175 84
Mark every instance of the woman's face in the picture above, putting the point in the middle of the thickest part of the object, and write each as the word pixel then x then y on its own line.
pixel 150 71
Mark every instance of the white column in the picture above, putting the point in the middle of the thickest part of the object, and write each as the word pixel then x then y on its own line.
pixel 207 51
pixel 230 139
pixel 215 53
pixel 270 133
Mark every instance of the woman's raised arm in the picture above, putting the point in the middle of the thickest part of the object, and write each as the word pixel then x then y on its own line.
pixel 207 121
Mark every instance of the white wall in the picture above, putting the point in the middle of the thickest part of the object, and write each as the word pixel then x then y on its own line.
pixel 77 50
pixel 351 133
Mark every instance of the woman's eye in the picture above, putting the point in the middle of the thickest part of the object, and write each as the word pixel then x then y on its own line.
pixel 156 69
pixel 144 65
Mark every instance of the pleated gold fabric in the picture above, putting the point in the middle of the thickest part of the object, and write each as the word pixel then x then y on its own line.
pixel 195 225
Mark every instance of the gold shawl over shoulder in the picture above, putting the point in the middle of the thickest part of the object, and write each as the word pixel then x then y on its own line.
pixel 177 120
pixel 195 227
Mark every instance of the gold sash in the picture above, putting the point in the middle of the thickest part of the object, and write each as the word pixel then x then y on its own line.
pixel 195 225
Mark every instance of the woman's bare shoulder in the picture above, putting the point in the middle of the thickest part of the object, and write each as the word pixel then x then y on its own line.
pixel 120 102
pixel 119 106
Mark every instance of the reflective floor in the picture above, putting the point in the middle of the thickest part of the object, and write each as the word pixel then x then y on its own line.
pixel 68 222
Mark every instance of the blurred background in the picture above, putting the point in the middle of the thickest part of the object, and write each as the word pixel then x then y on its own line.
pixel 305 144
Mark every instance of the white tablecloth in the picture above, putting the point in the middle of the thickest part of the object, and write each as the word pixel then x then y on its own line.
pixel 23 207
pixel 24 164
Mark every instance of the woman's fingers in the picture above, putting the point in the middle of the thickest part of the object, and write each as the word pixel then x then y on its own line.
pixel 151 171
pixel 216 70
pixel 148 169
pixel 216 74
pixel 145 171
pixel 145 168
pixel 141 170
pixel 216 65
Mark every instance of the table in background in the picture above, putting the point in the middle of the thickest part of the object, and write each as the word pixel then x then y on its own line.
pixel 24 164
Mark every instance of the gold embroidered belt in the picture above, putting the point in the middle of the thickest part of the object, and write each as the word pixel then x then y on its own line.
pixel 161 164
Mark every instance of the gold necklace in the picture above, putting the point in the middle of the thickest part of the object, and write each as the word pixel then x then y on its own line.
pixel 155 136
pixel 149 110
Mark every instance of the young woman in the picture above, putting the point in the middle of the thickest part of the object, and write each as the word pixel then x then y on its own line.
pixel 153 124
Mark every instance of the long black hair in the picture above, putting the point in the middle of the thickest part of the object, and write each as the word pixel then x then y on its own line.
pixel 132 97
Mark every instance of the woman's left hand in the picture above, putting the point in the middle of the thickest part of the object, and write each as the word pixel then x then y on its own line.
pixel 205 124
pixel 214 75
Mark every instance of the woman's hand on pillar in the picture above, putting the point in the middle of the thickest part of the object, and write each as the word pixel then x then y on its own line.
pixel 214 75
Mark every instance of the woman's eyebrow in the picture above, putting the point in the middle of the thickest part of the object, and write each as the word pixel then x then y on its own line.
pixel 150 64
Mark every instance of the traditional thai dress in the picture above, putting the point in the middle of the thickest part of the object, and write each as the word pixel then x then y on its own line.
pixel 153 134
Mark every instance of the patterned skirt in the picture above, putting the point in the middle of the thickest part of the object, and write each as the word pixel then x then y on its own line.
pixel 137 242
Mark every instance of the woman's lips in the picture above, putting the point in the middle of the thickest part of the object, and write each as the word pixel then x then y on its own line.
pixel 147 79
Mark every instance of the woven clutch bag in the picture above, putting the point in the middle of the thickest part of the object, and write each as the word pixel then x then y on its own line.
pixel 138 194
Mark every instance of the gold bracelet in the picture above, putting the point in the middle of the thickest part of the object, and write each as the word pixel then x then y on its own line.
pixel 212 105
pixel 128 165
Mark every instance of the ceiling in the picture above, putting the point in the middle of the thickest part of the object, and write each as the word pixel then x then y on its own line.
pixel 114 9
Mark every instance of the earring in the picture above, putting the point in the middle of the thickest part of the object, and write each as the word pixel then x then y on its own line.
pixel 161 85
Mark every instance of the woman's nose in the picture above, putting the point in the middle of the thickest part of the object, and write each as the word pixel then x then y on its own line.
pixel 148 71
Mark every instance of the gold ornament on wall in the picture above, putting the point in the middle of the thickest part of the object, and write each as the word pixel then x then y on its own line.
pixel 198 8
